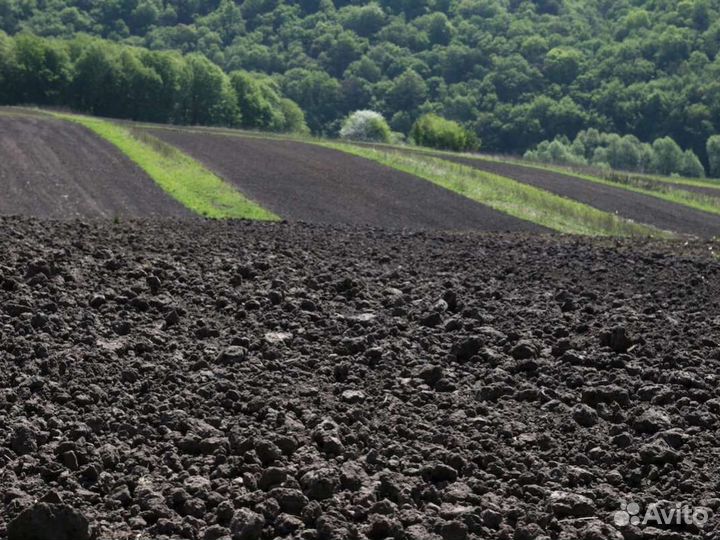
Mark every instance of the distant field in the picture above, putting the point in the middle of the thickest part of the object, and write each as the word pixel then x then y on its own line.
pixel 700 194
pixel 675 204
pixel 640 207
pixel 505 194
pixel 55 169
pixel 126 169
pixel 177 174
pixel 305 182
pixel 506 197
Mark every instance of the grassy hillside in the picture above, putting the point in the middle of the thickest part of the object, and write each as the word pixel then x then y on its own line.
pixel 514 71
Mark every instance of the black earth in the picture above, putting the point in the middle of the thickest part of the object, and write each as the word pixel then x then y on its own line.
pixel 256 381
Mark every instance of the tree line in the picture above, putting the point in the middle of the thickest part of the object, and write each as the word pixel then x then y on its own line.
pixel 105 78
pixel 612 151
pixel 512 72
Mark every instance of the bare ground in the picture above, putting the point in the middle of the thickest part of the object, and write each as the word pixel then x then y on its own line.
pixel 55 169
pixel 247 381
pixel 636 206
pixel 306 182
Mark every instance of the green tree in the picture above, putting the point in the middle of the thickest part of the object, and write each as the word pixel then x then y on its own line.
pixel 75 20
pixel 408 92
pixel 341 52
pixel 364 68
pixel 560 152
pixel 513 76
pixel 668 156
pixel 317 93
pixel 691 166
pixel 94 87
pixel 624 153
pixel 519 71
pixel 562 64
pixel 262 107
pixel 363 20
pixel 138 87
pixel 41 70
pixel 170 67
pixel 145 15
pixel 226 20
pixel 7 68
pixel 256 109
pixel 673 46
pixel 637 18
pixel 534 49
pixel 293 117
pixel 713 153
pixel 564 117
pixel 209 98
pixel 437 26
pixel 8 16
pixel 437 132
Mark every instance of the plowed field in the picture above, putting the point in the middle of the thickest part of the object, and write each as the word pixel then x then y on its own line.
pixel 55 169
pixel 306 182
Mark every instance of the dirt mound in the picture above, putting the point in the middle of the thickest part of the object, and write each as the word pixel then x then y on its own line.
pixel 306 182
pixel 55 169
pixel 628 204
pixel 237 380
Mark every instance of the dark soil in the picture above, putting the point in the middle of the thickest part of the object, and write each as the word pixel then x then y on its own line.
pixel 636 206
pixel 709 191
pixel 50 168
pixel 655 184
pixel 306 182
pixel 257 381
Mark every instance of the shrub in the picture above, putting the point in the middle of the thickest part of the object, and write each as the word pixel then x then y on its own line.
pixel 627 153
pixel 691 166
pixel 437 132
pixel 293 117
pixel 713 152
pixel 668 156
pixel 555 151
pixel 262 106
pixel 366 126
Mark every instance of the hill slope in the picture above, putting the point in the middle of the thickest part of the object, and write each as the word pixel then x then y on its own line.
pixel 306 182
pixel 636 206
pixel 55 169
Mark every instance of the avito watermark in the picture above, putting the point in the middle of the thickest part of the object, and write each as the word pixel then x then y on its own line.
pixel 661 513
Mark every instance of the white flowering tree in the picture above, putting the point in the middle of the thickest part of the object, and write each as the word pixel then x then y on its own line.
pixel 366 126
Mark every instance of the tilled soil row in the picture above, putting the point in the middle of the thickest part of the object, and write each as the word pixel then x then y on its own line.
pixel 55 169
pixel 628 204
pixel 306 182
pixel 254 381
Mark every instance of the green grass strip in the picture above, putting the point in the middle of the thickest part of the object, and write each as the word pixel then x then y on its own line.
pixel 683 197
pixel 691 199
pixel 176 173
pixel 506 195
pixel 666 192
pixel 697 201
pixel 680 180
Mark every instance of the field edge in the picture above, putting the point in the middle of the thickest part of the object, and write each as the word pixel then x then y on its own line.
pixel 179 175
pixel 508 196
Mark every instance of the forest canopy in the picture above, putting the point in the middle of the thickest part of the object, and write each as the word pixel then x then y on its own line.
pixel 512 72
pixel 111 79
